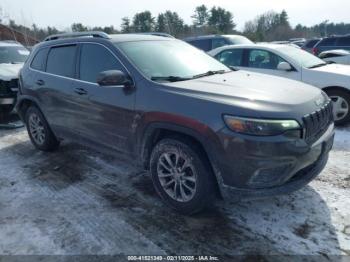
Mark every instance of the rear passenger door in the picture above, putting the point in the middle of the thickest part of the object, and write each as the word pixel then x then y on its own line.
pixel 56 85
pixel 106 113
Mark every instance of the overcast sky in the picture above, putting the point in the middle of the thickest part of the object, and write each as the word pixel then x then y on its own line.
pixel 62 13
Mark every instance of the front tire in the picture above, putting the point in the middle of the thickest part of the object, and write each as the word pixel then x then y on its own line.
pixel 341 106
pixel 182 175
pixel 39 131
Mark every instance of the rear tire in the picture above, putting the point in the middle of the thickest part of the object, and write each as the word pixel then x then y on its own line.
pixel 341 106
pixel 182 175
pixel 39 131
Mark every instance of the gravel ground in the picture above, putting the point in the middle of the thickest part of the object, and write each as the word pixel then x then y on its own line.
pixel 77 201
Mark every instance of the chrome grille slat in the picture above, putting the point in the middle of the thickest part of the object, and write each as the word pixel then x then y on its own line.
pixel 317 122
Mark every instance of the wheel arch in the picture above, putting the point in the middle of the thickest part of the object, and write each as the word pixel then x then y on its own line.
pixel 328 88
pixel 157 131
pixel 23 103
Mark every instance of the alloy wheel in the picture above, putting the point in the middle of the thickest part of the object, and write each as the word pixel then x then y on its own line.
pixel 340 107
pixel 37 129
pixel 177 176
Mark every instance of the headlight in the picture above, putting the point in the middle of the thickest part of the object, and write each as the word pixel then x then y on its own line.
pixel 262 127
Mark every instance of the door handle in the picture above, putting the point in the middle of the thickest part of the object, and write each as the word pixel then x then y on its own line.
pixel 40 82
pixel 80 91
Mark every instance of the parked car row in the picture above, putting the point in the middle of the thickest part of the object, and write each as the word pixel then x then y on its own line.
pixel 202 129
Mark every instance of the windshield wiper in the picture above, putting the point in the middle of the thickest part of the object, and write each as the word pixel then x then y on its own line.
pixel 317 65
pixel 170 78
pixel 210 73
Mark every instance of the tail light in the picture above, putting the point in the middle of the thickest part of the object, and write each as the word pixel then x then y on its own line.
pixel 314 51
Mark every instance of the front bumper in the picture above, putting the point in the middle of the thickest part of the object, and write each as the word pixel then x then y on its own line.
pixel 7 101
pixel 260 167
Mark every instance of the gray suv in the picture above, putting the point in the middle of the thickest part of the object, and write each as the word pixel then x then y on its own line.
pixel 203 130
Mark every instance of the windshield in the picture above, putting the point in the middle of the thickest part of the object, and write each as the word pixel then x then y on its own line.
pixel 302 57
pixel 13 54
pixel 175 59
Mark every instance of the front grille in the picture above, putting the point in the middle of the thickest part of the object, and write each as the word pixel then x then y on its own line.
pixel 317 122
pixel 8 87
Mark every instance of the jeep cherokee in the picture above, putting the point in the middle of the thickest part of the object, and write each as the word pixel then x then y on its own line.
pixel 201 129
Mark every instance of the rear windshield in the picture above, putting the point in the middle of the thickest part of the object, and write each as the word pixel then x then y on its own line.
pixel 311 43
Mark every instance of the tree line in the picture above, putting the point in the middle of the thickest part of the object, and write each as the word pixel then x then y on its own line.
pixel 269 26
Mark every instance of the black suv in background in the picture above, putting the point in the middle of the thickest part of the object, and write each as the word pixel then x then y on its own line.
pixel 309 44
pixel 201 129
pixel 12 57
pixel 209 42
pixel 330 43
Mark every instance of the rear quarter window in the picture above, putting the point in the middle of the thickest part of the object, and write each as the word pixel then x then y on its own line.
pixel 39 60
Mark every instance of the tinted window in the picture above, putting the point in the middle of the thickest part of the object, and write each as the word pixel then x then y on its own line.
pixel 95 59
pixel 61 61
pixel 218 42
pixel 204 44
pixel 343 41
pixel 231 57
pixel 327 42
pixel 311 43
pixel 39 59
pixel 263 59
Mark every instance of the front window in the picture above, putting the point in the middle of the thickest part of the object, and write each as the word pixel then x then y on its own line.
pixel 176 59
pixel 302 57
pixel 95 59
pixel 263 59
pixel 13 54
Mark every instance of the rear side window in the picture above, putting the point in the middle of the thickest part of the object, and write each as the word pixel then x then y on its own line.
pixel 95 59
pixel 231 57
pixel 327 42
pixel 343 41
pixel 38 62
pixel 61 61
pixel 204 44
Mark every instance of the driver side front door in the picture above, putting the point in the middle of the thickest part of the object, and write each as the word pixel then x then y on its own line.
pixel 266 62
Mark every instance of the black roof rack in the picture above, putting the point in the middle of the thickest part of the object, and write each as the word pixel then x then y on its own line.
pixel 78 34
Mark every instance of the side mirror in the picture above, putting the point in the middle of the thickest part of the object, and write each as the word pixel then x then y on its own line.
pixel 284 66
pixel 112 78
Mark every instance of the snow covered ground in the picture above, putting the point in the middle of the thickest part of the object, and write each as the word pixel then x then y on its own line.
pixel 77 201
